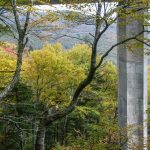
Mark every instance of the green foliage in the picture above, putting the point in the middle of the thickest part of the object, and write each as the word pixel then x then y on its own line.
pixel 94 122
pixel 49 79
pixel 80 55
pixel 55 73
pixel 17 111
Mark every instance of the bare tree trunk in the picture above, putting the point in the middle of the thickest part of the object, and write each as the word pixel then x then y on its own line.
pixel 16 76
pixel 34 128
pixel 22 41
pixel 64 130
pixel 40 138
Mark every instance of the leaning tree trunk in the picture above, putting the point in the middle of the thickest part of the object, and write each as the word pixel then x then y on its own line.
pixel 40 138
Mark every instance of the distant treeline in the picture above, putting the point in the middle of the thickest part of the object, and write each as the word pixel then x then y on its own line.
pixel 68 1
pixel 43 2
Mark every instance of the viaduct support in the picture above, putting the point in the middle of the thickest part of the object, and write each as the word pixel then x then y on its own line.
pixel 132 86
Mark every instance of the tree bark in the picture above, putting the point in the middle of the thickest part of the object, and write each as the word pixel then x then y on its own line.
pixel 16 76
pixel 40 138
pixel 22 41
pixel 64 130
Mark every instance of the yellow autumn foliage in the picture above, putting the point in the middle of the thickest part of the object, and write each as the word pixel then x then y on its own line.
pixel 51 74
pixel 80 55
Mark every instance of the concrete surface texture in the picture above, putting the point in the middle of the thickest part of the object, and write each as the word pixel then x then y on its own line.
pixel 132 85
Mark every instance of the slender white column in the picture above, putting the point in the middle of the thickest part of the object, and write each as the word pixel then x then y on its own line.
pixel 132 85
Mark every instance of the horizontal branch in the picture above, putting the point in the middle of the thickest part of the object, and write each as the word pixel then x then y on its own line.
pixel 120 43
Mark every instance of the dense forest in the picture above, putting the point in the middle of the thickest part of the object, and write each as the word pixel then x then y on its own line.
pixel 62 98
pixel 51 75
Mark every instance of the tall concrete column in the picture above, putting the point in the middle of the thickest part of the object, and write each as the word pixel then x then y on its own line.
pixel 132 85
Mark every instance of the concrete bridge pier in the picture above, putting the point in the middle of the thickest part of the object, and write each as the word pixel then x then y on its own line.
pixel 132 85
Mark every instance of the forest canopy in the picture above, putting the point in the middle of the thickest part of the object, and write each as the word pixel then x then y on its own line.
pixel 66 98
